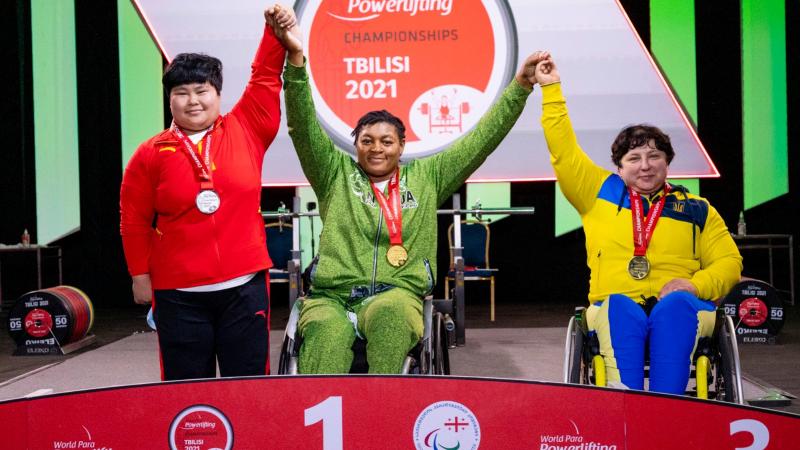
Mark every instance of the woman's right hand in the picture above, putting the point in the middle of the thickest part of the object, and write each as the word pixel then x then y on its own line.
pixel 284 24
pixel 142 289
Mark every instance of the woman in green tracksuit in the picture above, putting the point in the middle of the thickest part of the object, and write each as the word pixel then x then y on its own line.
pixel 377 251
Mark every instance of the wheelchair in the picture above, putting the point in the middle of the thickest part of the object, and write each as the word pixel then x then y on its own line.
pixel 715 363
pixel 429 357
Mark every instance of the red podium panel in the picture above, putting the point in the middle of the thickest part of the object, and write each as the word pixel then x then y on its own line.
pixel 391 412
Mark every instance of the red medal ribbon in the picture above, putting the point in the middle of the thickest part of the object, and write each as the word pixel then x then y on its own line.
pixel 643 232
pixel 391 209
pixel 202 167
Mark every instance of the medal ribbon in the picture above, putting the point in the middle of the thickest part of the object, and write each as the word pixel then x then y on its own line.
pixel 202 167
pixel 643 232
pixel 391 209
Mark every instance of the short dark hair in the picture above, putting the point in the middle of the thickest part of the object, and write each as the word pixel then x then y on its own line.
pixel 634 136
pixel 373 117
pixel 193 68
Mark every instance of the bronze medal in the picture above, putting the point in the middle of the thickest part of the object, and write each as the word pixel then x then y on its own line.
pixel 397 255
pixel 638 267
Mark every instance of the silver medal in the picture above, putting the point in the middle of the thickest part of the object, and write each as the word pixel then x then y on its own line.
pixel 207 201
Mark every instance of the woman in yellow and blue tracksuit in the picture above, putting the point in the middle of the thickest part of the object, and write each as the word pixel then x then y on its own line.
pixel 692 258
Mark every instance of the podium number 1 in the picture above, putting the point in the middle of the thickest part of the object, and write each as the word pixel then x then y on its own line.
pixel 329 412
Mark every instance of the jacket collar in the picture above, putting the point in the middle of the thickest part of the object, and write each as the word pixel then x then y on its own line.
pixel 168 137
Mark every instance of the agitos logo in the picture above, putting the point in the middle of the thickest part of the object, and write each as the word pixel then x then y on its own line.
pixel 446 425
pixel 436 64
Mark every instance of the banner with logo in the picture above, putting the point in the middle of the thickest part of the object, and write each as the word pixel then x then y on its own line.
pixel 393 412
pixel 439 65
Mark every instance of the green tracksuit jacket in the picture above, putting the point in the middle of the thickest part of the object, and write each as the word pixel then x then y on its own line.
pixel 355 239
pixel 353 273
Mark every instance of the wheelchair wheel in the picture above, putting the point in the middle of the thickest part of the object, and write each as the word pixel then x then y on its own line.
pixel 441 357
pixel 729 375
pixel 573 351
pixel 287 362
pixel 577 355
pixel 283 360
pixel 290 349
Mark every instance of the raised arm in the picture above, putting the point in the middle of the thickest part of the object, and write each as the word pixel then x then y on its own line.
pixel 314 147
pixel 453 166
pixel 578 176
pixel 259 107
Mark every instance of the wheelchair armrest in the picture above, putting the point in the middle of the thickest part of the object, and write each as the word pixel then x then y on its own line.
pixel 443 305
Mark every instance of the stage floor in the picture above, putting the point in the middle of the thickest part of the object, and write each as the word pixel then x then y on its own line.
pixel 124 357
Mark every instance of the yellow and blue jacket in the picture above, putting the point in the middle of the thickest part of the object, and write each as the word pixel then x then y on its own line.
pixel 690 241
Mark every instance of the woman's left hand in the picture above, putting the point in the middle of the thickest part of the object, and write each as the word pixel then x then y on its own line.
pixel 678 284
pixel 527 72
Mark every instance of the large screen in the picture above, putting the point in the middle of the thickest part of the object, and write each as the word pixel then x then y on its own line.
pixel 439 65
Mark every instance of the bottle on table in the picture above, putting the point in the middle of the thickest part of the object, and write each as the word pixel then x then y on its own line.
pixel 741 226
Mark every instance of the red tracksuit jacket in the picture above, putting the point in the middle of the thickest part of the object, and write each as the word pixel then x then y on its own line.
pixel 188 248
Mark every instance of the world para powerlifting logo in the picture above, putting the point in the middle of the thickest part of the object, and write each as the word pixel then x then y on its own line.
pixel 574 441
pixel 438 65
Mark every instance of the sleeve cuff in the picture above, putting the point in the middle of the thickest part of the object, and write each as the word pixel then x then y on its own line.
pixel 552 93
pixel 294 73
pixel 519 90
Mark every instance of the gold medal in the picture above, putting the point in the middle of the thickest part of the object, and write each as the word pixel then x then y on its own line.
pixel 397 255
pixel 638 267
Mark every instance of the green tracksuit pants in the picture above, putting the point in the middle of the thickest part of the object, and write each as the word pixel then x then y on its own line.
pixel 391 323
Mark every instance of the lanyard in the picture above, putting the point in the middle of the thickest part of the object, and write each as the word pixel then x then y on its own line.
pixel 391 209
pixel 202 167
pixel 642 232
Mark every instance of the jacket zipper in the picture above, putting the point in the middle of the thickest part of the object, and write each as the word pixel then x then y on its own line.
pixel 375 255
pixel 216 241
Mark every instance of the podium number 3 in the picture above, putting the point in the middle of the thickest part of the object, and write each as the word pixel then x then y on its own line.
pixel 758 430
pixel 329 412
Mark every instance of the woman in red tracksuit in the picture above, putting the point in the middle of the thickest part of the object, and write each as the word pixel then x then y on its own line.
pixel 190 222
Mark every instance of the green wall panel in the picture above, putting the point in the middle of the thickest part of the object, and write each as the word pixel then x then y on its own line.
pixel 140 92
pixel 765 134
pixel 55 116
pixel 567 218
pixel 673 45
pixel 490 195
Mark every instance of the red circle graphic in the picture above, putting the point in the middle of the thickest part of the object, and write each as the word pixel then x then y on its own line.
pixel 753 311
pixel 437 65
